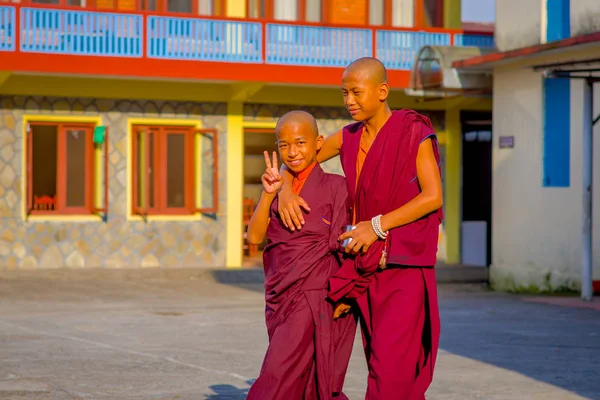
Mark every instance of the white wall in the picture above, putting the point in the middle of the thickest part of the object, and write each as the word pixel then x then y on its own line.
pixel 536 230
pixel 518 23
pixel 585 17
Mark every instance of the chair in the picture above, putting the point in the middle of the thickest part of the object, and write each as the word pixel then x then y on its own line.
pixel 249 249
pixel 44 203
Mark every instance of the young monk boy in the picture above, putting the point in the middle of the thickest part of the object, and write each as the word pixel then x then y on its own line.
pixel 391 162
pixel 308 351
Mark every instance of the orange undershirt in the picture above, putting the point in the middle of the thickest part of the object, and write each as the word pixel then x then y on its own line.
pixel 360 159
pixel 300 179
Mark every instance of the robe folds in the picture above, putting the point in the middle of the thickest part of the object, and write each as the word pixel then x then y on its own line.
pixel 398 305
pixel 308 351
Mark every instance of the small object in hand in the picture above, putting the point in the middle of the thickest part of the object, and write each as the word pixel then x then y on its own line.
pixel 347 241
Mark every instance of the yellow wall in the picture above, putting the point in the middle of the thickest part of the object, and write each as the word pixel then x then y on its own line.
pixel 59 86
pixel 235 184
pixel 452 14
pixel 236 8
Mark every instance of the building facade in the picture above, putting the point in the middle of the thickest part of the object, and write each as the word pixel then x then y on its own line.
pixel 542 127
pixel 131 133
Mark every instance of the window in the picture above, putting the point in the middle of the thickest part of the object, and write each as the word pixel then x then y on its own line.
pixel 558 19
pixel 376 12
pixel 54 2
pixel 179 6
pixel 312 10
pixel 286 10
pixel 174 170
pixel 60 168
pixel 433 13
pixel 402 12
pixel 219 8
pixel 148 5
pixel 557 133
pixel 72 3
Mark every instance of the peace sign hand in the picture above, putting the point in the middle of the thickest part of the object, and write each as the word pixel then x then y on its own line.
pixel 271 180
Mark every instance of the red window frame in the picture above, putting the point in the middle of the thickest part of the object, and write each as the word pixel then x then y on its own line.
pixel 159 179
pixel 61 169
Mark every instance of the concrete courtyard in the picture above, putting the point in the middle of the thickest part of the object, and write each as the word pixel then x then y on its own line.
pixel 193 334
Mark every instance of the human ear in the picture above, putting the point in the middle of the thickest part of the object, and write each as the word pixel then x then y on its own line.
pixel 320 141
pixel 384 90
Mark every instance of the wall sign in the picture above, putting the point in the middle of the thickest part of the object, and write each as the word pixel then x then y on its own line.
pixel 507 142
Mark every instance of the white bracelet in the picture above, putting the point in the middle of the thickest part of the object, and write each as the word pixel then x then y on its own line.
pixel 376 224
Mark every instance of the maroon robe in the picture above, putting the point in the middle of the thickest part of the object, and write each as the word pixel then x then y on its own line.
pixel 399 307
pixel 308 351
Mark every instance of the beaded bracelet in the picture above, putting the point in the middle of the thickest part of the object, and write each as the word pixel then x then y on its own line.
pixel 376 224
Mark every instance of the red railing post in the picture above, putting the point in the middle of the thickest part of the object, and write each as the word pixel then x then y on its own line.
pixel 145 36
pixel 374 42
pixel 17 28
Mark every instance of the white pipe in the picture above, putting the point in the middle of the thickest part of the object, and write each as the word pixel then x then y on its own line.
pixel 588 152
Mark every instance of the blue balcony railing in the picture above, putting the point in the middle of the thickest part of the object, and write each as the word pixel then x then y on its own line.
pixel 316 46
pixel 205 40
pixel 61 31
pixel 461 39
pixel 81 33
pixel 7 28
pixel 398 49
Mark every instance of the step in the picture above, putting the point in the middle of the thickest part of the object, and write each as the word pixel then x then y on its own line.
pixel 446 273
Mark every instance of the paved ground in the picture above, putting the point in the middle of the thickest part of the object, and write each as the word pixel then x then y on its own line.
pixel 176 334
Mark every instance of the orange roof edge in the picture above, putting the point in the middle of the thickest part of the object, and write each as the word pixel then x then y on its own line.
pixel 525 51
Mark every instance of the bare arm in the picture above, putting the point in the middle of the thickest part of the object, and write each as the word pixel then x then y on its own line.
pixel 260 219
pixel 290 204
pixel 272 182
pixel 331 148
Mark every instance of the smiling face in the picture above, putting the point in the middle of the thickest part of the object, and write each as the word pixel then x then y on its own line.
pixel 365 88
pixel 298 141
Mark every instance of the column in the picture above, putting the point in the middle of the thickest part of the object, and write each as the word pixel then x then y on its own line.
pixel 452 201
pixel 235 184
pixel 452 14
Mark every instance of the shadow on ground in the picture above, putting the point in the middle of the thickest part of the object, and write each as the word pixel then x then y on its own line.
pixel 249 279
pixel 556 345
pixel 228 392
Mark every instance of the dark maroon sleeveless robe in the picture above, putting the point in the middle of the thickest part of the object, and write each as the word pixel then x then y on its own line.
pixel 308 351
pixel 399 309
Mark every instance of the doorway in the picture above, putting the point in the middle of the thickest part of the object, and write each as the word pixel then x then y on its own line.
pixel 256 141
pixel 476 225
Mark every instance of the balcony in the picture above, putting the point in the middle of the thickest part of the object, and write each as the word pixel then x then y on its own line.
pixel 54 40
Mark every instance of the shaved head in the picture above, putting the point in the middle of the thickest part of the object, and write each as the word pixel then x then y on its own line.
pixel 365 88
pixel 369 67
pixel 300 118
pixel 298 140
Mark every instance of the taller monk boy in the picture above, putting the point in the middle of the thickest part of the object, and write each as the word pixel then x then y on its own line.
pixel 392 166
